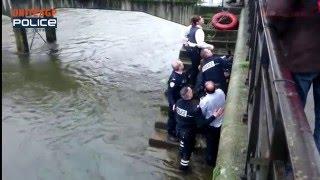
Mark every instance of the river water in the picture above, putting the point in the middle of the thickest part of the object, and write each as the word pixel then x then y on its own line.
pixel 85 107
pixel 172 10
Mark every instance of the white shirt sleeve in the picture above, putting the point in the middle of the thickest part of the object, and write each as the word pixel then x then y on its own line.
pixel 203 105
pixel 200 40
pixel 199 36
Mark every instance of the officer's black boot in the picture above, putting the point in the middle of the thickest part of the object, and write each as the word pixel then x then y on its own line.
pixel 184 161
pixel 171 126
pixel 184 168
pixel 184 165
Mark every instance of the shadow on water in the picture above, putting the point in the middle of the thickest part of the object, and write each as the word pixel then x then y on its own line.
pixel 33 69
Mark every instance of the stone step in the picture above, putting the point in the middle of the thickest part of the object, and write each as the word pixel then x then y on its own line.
pixel 220 44
pixel 208 29
pixel 164 109
pixel 227 35
pixel 160 124
pixel 159 140
pixel 219 51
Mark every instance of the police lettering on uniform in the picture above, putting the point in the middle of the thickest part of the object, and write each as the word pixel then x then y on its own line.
pixel 176 81
pixel 213 68
pixel 189 116
pixel 194 37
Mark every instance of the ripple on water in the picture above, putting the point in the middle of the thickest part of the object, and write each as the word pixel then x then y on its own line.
pixel 92 102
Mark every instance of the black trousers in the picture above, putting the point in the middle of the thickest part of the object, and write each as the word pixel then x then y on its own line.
pixel 187 139
pixel 303 82
pixel 199 87
pixel 194 55
pixel 212 135
pixel 171 124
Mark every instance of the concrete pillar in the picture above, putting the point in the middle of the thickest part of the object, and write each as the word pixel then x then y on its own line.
pixel 19 33
pixel 21 40
pixel 51 35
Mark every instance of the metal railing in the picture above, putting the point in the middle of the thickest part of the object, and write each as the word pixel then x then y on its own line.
pixel 281 144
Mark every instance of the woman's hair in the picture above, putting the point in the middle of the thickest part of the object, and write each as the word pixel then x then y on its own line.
pixel 195 19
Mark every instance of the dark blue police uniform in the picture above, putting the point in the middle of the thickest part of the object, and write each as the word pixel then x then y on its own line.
pixel 213 70
pixel 189 117
pixel 175 84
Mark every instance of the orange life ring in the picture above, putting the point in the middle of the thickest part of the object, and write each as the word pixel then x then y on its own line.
pixel 231 24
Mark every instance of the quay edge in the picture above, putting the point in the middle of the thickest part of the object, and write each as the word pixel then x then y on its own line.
pixel 233 140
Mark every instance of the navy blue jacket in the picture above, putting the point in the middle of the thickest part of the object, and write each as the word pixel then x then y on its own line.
pixel 192 38
pixel 192 34
pixel 175 83
pixel 213 70
pixel 189 115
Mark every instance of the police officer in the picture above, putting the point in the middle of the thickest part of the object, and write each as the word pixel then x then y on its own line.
pixel 189 116
pixel 215 98
pixel 194 37
pixel 213 68
pixel 176 81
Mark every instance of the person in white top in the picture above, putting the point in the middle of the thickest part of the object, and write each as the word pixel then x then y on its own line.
pixel 199 37
pixel 214 99
pixel 193 42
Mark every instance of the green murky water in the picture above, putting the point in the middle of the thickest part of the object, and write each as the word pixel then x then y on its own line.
pixel 86 108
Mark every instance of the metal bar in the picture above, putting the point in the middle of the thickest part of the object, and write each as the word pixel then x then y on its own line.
pixel 303 154
pixel 253 120
pixel 278 129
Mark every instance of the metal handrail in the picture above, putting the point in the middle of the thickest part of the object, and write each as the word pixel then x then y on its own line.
pixel 280 139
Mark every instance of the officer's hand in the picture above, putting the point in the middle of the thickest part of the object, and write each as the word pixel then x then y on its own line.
pixel 185 40
pixel 218 112
pixel 174 107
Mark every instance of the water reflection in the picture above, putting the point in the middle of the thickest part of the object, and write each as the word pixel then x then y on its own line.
pixel 46 73
pixel 172 10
